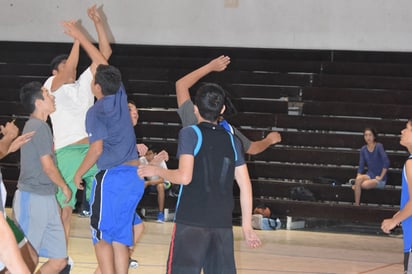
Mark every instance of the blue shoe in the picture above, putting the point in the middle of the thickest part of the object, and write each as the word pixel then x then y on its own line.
pixel 160 217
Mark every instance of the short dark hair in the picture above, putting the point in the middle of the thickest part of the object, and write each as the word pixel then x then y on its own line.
pixel 154 148
pixel 57 60
pixel 109 78
pixel 29 93
pixel 210 99
pixel 262 206
pixel 131 102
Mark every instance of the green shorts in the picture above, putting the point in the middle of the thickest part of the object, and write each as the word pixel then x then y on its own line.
pixel 68 160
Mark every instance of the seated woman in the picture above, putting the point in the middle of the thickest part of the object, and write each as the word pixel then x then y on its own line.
pixel 374 157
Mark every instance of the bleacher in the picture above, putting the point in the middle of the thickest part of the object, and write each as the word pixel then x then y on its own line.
pixel 319 100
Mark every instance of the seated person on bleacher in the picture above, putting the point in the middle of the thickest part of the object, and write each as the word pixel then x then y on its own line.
pixel 156 183
pixel 374 157
pixel 267 220
pixel 264 210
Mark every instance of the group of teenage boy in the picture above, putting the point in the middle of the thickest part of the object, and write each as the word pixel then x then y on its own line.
pixel 93 143
pixel 93 147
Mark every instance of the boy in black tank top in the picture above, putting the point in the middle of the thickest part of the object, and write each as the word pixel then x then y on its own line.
pixel 210 158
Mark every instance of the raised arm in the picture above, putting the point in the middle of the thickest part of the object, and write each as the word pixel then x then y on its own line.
pixel 67 73
pixel 186 82
pixel 104 44
pixel 72 29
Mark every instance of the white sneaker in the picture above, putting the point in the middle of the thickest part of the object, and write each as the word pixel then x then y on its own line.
pixel 133 263
pixel 70 261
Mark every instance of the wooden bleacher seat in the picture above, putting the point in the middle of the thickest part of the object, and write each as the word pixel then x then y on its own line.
pixel 325 193
pixel 363 81
pixel 330 123
pixel 370 96
pixel 367 68
pixel 357 109
pixel 318 156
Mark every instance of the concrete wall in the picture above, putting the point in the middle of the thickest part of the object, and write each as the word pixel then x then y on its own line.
pixel 308 24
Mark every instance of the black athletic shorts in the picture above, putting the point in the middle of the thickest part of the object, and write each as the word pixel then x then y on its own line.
pixel 194 248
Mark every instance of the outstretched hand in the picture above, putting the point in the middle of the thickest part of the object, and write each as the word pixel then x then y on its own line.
pixel 220 63
pixel 274 137
pixel 20 141
pixel 72 29
pixel 10 129
pixel 93 14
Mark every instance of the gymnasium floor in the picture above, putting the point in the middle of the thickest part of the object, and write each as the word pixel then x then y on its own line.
pixel 283 251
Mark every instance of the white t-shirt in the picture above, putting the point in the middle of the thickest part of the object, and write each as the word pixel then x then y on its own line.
pixel 72 102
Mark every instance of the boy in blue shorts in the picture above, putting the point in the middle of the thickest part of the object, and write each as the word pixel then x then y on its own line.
pixel 404 215
pixel 35 206
pixel 210 158
pixel 117 189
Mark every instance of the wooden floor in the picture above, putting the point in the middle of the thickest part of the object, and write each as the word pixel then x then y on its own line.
pixel 283 251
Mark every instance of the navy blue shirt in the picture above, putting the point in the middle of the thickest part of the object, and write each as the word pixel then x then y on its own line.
pixel 109 120
pixel 375 161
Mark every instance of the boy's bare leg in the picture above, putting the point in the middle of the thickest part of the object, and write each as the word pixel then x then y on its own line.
pixel 53 266
pixel 121 257
pixel 66 220
pixel 105 257
pixel 137 233
pixel 161 196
